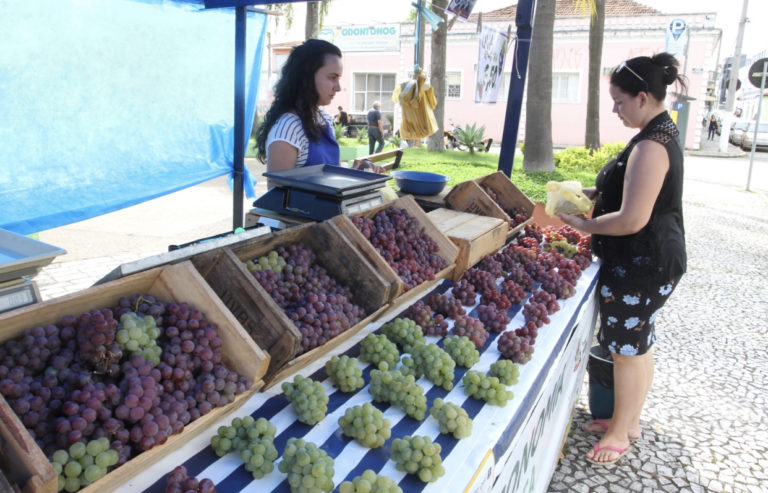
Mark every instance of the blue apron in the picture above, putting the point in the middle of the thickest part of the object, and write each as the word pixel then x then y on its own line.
pixel 325 150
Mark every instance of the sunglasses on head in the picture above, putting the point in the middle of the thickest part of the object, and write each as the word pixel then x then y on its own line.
pixel 623 65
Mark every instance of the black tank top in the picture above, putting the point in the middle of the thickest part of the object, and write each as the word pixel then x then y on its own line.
pixel 657 251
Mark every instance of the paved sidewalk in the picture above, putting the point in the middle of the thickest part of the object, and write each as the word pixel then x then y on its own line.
pixel 703 425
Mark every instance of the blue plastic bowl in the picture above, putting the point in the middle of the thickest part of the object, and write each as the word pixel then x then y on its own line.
pixel 419 182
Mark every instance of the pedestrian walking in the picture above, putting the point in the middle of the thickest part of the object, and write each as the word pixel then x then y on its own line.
pixel 712 127
pixel 375 128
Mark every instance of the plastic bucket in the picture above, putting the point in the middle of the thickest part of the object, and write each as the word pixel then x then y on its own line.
pixel 600 369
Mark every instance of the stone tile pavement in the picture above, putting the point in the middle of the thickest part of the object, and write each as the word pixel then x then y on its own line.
pixel 704 426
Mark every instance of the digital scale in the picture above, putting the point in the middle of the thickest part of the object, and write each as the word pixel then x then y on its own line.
pixel 21 258
pixel 322 191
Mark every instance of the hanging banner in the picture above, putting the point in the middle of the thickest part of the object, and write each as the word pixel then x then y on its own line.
pixel 375 37
pixel 677 38
pixel 461 8
pixel 492 51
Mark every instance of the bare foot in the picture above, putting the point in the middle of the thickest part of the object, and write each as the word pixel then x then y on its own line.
pixel 600 426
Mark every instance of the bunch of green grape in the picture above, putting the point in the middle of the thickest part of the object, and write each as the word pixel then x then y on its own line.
pixel 138 335
pixel 307 399
pixel 366 424
pixel 418 455
pixel 506 371
pixel 370 482
pixel 376 348
pixel 308 467
pixel 400 390
pixel 344 373
pixel 430 361
pixel 452 418
pixel 240 433
pixel 83 463
pixel 270 261
pixel 489 389
pixel 562 247
pixel 253 439
pixel 404 332
pixel 462 350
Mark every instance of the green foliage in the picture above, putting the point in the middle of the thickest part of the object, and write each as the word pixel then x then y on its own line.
pixel 395 140
pixel 581 159
pixel 470 136
pixel 362 134
pixel 338 131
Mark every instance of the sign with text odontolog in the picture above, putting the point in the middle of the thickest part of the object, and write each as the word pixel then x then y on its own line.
pixel 374 37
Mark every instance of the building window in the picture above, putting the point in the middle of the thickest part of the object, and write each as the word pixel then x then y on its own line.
pixel 565 87
pixel 453 85
pixel 367 88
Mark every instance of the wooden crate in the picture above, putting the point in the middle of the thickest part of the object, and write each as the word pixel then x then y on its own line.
pixel 262 318
pixel 21 459
pixel 470 197
pixel 446 249
pixel 178 282
pixel 476 236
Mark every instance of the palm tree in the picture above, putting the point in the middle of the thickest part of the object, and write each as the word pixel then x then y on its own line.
pixel 596 29
pixel 435 142
pixel 538 105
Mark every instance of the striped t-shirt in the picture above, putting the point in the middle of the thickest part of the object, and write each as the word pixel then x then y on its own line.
pixel 288 128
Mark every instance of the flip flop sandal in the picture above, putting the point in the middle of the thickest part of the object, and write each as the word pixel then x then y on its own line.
pixel 602 424
pixel 597 448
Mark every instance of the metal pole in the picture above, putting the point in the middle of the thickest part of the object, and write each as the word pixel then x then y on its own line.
pixel 524 22
pixel 757 123
pixel 417 35
pixel 729 100
pixel 239 151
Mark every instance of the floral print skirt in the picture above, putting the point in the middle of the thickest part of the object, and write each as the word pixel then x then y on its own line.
pixel 628 309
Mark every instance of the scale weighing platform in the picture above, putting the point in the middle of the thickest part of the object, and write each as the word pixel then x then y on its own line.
pixel 21 258
pixel 323 191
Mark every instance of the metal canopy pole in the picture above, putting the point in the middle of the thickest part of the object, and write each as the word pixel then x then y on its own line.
pixel 239 151
pixel 524 22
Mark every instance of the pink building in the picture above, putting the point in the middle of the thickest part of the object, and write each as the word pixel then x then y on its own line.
pixel 377 57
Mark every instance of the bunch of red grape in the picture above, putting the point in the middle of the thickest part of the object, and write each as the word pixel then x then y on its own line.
pixel 517 215
pixel 179 481
pixel 497 298
pixel 446 305
pixel 513 291
pixel 464 291
pixel 549 300
pixel 400 239
pixel 57 389
pixel 561 285
pixel 431 323
pixel 491 265
pixel 535 314
pixel 493 318
pixel 320 307
pixel 531 230
pixel 517 274
pixel 515 347
pixel 480 279
pixel 472 328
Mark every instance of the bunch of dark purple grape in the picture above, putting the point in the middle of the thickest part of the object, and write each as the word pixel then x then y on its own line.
pixel 464 291
pixel 517 274
pixel 493 318
pixel 65 393
pixel 431 323
pixel 179 481
pixel 446 305
pixel 491 265
pixel 515 347
pixel 472 328
pixel 535 314
pixel 513 291
pixel 480 279
pixel 400 239
pixel 531 231
pixel 320 307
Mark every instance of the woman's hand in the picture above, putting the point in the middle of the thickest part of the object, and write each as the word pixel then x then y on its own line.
pixel 590 192
pixel 579 222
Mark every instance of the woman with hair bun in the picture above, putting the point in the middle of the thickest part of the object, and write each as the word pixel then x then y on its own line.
pixel 637 231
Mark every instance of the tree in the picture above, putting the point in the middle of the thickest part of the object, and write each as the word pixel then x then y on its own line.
pixel 435 142
pixel 596 29
pixel 538 154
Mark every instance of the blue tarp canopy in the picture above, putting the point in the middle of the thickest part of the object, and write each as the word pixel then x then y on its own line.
pixel 104 105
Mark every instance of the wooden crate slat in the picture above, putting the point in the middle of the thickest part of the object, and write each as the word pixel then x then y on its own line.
pixel 22 460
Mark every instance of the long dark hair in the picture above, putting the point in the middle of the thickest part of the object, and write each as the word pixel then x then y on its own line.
pixel 295 91
pixel 649 74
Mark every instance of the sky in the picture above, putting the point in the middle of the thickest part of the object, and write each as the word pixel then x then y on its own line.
pixel 728 15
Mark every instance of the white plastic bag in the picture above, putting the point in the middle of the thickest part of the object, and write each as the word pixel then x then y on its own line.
pixel 567 197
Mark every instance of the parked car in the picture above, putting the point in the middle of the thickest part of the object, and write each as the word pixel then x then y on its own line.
pixel 737 132
pixel 749 134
